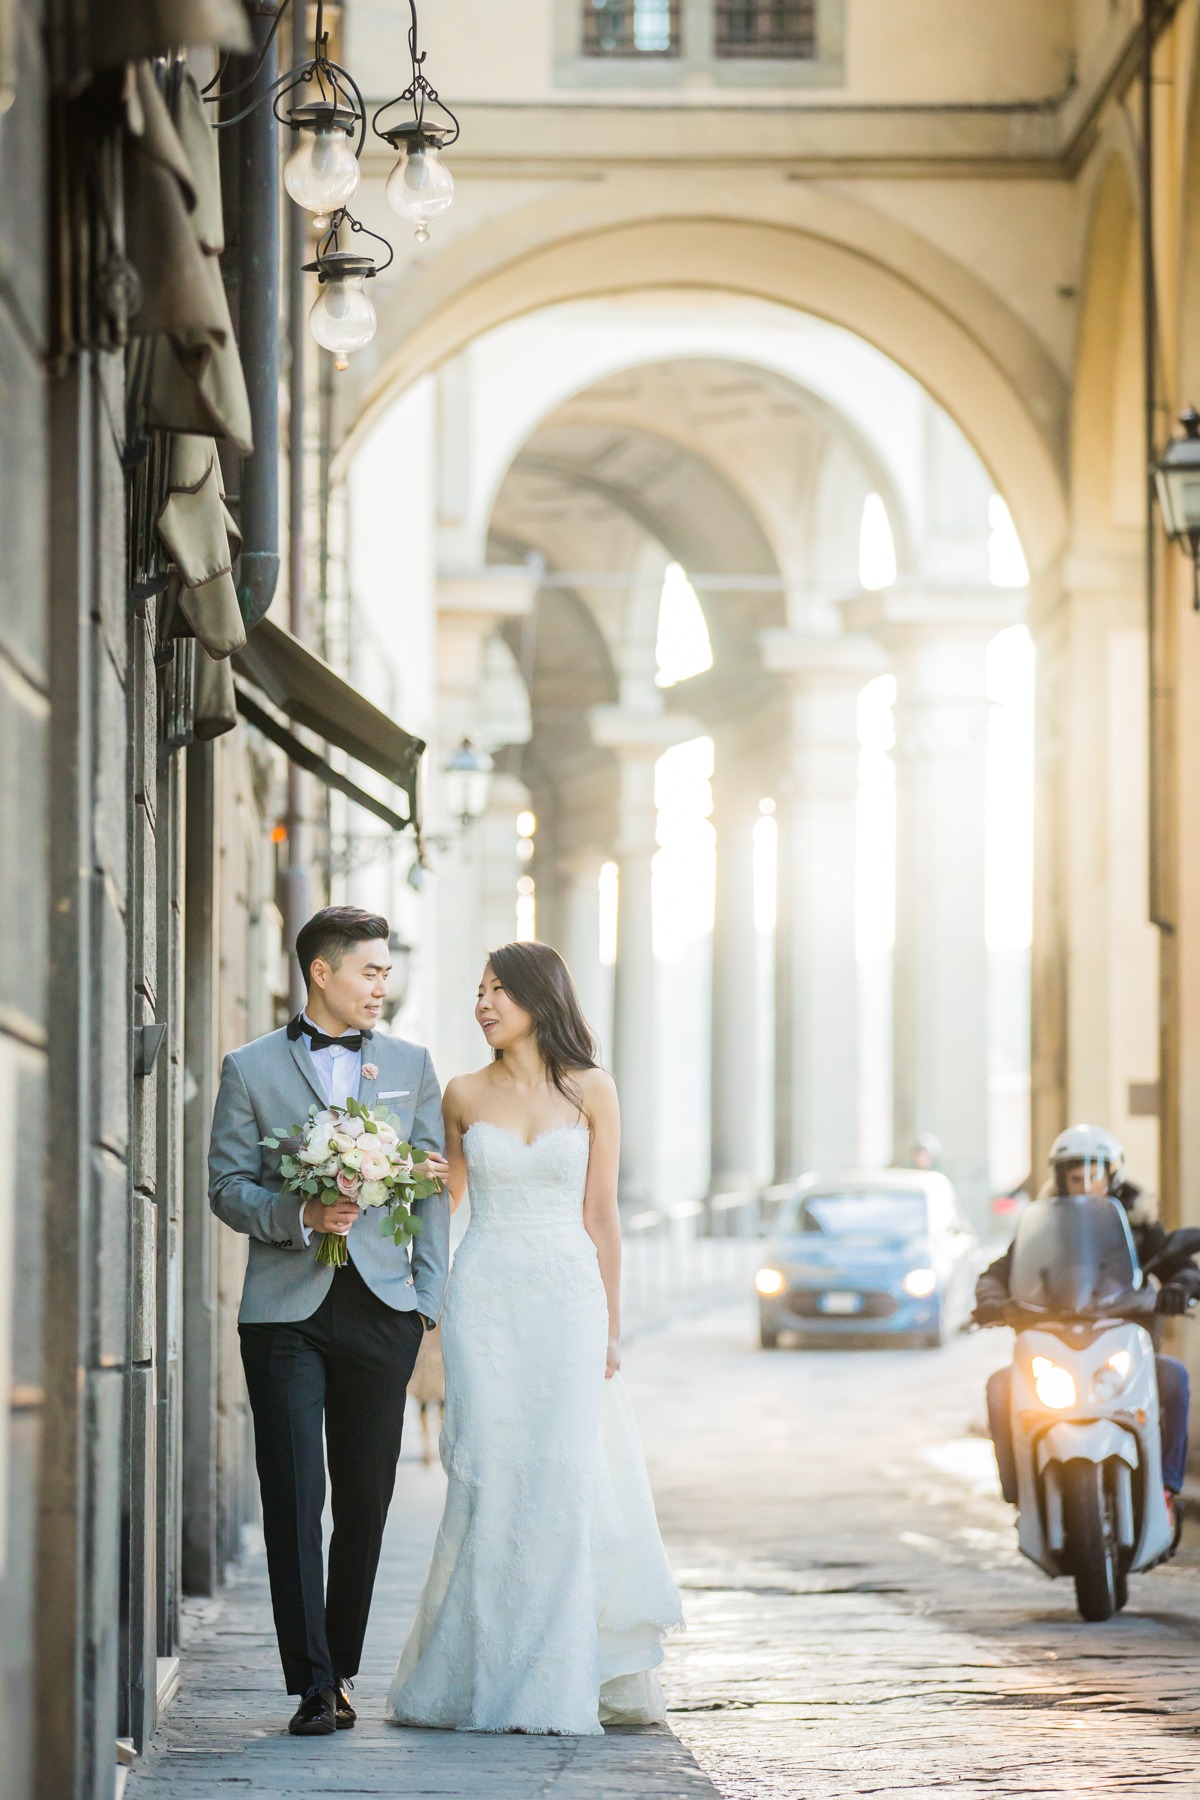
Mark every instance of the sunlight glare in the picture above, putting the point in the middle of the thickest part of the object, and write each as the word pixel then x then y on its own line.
pixel 1009 804
pixel 526 910
pixel 608 885
pixel 875 820
pixel 684 869
pixel 1006 559
pixel 876 547
pixel 766 858
pixel 683 647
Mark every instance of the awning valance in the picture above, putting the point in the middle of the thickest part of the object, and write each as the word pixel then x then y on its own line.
pixel 304 687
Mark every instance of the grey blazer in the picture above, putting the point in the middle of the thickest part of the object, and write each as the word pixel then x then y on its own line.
pixel 271 1083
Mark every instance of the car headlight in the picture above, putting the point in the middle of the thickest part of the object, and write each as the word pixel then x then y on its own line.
pixel 920 1283
pixel 1054 1386
pixel 769 1282
pixel 1108 1381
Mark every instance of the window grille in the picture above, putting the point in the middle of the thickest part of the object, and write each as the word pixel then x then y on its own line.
pixel 631 27
pixel 766 28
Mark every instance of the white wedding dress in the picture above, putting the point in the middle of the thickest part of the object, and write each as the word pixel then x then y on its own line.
pixel 549 1593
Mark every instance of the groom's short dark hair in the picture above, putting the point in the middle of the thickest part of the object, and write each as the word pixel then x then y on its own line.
pixel 333 931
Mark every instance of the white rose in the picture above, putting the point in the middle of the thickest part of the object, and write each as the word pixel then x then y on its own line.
pixel 374 1166
pixel 353 1160
pixel 317 1148
pixel 340 1141
pixel 352 1128
pixel 373 1193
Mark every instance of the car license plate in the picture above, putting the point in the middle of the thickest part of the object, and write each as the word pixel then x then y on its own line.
pixel 840 1303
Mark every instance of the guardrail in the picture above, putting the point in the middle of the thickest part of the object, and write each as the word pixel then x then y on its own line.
pixel 685 1257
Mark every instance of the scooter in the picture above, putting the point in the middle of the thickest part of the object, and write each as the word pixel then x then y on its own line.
pixel 1084 1398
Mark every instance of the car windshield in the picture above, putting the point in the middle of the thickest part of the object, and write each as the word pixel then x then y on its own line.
pixel 864 1213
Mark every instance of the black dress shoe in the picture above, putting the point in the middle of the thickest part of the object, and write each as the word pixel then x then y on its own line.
pixel 314 1717
pixel 343 1712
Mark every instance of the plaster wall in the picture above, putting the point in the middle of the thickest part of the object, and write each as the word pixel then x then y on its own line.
pixel 915 49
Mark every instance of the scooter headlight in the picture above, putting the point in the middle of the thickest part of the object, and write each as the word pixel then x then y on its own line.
pixel 1054 1385
pixel 1108 1381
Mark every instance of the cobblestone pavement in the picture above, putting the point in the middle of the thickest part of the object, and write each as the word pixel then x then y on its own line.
pixel 859 1622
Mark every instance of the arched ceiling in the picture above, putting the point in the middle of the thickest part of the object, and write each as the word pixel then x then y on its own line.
pixel 765 433
pixel 651 464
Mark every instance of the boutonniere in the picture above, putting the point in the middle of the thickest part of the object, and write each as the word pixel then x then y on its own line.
pixel 370 1071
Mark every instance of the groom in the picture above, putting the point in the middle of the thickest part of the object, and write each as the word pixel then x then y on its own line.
pixel 324 1346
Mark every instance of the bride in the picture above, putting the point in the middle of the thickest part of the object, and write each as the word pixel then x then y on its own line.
pixel 549 1593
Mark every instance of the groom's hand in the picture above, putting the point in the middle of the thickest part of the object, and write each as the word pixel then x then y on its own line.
pixel 336 1219
pixel 433 1168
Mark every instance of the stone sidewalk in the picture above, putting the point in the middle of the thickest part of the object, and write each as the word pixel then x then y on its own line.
pixel 226 1733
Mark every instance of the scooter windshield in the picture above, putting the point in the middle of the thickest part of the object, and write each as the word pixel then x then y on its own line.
pixel 1073 1256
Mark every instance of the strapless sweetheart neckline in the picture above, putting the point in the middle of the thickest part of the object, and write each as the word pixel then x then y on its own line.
pixel 527 1143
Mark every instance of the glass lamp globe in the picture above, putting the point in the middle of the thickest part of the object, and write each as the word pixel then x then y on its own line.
pixel 322 173
pixel 420 186
pixel 343 318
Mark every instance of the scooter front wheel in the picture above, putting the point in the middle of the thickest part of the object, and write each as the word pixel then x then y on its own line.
pixel 1089 1517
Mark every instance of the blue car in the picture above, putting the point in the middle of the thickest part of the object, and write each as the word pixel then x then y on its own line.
pixel 868 1253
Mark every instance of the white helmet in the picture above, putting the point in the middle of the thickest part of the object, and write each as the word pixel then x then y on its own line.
pixel 1089 1146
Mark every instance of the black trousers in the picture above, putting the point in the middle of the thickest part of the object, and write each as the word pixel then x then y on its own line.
pixel 341 1374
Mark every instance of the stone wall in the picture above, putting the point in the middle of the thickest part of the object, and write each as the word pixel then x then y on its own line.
pixel 24 714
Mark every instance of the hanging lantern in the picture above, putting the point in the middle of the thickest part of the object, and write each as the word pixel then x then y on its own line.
pixel 420 187
pixel 322 173
pixel 343 319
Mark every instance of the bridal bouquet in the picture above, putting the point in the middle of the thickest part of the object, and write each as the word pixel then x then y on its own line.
pixel 353 1153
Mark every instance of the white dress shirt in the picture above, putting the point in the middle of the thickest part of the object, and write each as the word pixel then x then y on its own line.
pixel 339 1075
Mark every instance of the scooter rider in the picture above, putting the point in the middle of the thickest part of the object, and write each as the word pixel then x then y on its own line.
pixel 1086 1159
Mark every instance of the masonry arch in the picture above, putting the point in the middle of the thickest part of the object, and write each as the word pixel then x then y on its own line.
pixel 1095 961
pixel 968 351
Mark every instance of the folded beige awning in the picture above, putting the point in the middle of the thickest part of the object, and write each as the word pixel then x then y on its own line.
pixel 304 687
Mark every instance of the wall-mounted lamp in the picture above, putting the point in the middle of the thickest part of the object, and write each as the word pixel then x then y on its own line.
pixel 467 778
pixel 1177 476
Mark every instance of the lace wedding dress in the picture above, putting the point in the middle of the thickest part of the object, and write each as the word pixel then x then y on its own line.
pixel 549 1593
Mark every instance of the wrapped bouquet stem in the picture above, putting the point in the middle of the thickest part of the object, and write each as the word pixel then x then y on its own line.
pixel 353 1152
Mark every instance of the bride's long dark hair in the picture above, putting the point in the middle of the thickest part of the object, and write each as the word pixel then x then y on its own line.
pixel 539 981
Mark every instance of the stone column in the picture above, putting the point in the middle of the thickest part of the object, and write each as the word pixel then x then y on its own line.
pixel 736 1078
pixel 579 907
pixel 499 863
pixel 1094 903
pixel 639 739
pixel 470 609
pixel 938 644
pixel 816 966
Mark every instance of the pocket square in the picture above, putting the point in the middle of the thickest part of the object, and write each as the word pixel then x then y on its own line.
pixel 394 1093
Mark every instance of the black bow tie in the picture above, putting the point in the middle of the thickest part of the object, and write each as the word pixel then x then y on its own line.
pixel 317 1040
